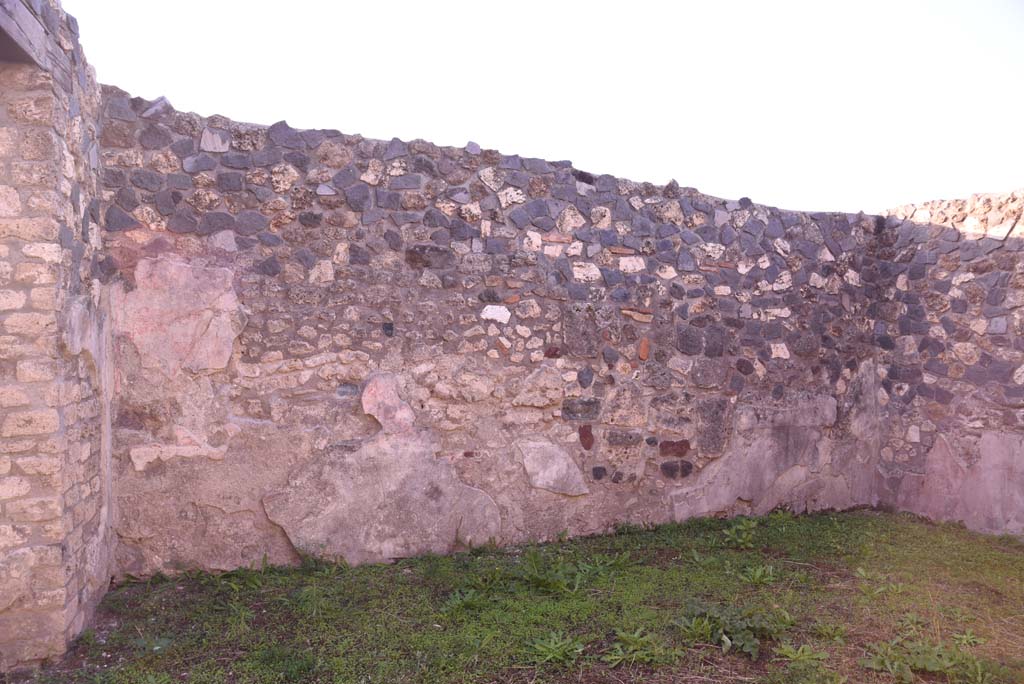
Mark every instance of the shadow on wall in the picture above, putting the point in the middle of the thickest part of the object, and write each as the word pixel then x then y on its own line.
pixel 950 333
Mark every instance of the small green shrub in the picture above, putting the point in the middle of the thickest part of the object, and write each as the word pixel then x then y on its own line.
pixel 311 599
pixel 549 577
pixel 490 580
pixel 559 576
pixel 910 624
pixel 233 582
pixel 239 616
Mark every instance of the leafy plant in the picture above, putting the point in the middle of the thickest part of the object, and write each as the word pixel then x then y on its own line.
pixel 559 576
pixel 625 528
pixel 758 575
pixel 977 671
pixel 639 646
pixel 698 629
pixel 234 581
pixel 490 580
pixel 239 617
pixel 464 599
pixel 829 631
pixel 311 599
pixel 866 575
pixel 799 654
pixel 602 566
pixel 958 614
pixel 811 672
pixel 967 638
pixel 557 649
pixel 740 534
pixel 873 584
pixel 730 628
pixel 902 659
pixel 910 624
pixel 887 657
pixel 701 560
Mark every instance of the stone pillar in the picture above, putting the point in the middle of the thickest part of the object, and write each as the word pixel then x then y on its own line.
pixel 54 447
pixel 32 446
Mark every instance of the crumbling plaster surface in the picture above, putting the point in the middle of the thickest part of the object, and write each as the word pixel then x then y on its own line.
pixel 393 497
pixel 986 492
pixel 179 316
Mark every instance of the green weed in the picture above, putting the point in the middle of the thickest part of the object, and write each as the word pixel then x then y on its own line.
pixel 555 648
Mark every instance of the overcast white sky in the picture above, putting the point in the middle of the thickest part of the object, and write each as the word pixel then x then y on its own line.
pixel 805 105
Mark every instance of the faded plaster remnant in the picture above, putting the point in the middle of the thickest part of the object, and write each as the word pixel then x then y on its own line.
pixel 381 400
pixel 780 458
pixel 986 495
pixel 179 315
pixel 188 445
pixel 390 498
pixel 550 467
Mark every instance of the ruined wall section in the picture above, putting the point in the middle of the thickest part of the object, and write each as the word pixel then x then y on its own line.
pixel 949 325
pixel 55 546
pixel 558 351
pixel 223 344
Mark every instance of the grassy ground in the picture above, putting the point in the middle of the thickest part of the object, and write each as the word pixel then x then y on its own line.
pixel 854 597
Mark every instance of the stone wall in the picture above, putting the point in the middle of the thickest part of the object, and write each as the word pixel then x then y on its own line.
pixel 949 324
pixel 55 486
pixel 224 344
pixel 563 352
pixel 368 350
pixel 566 351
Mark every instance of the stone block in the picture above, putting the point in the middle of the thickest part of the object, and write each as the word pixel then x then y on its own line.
pixel 29 229
pixel 34 422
